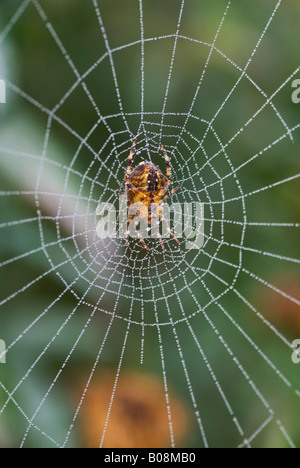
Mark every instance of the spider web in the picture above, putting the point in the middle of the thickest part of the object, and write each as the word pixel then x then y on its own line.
pixel 196 318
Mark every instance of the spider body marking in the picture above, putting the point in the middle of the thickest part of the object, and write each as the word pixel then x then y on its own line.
pixel 146 187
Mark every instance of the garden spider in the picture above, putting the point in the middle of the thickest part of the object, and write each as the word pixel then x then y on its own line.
pixel 146 186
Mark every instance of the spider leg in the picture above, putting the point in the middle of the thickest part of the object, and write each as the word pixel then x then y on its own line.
pixel 129 165
pixel 155 223
pixel 171 193
pixel 167 159
pixel 129 219
pixel 168 228
pixel 168 181
pixel 137 229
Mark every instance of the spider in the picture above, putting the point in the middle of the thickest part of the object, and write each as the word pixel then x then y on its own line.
pixel 146 186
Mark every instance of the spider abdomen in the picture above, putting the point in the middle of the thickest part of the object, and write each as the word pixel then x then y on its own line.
pixel 148 178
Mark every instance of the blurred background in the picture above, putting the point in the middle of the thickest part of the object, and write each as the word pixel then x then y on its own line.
pixel 120 347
